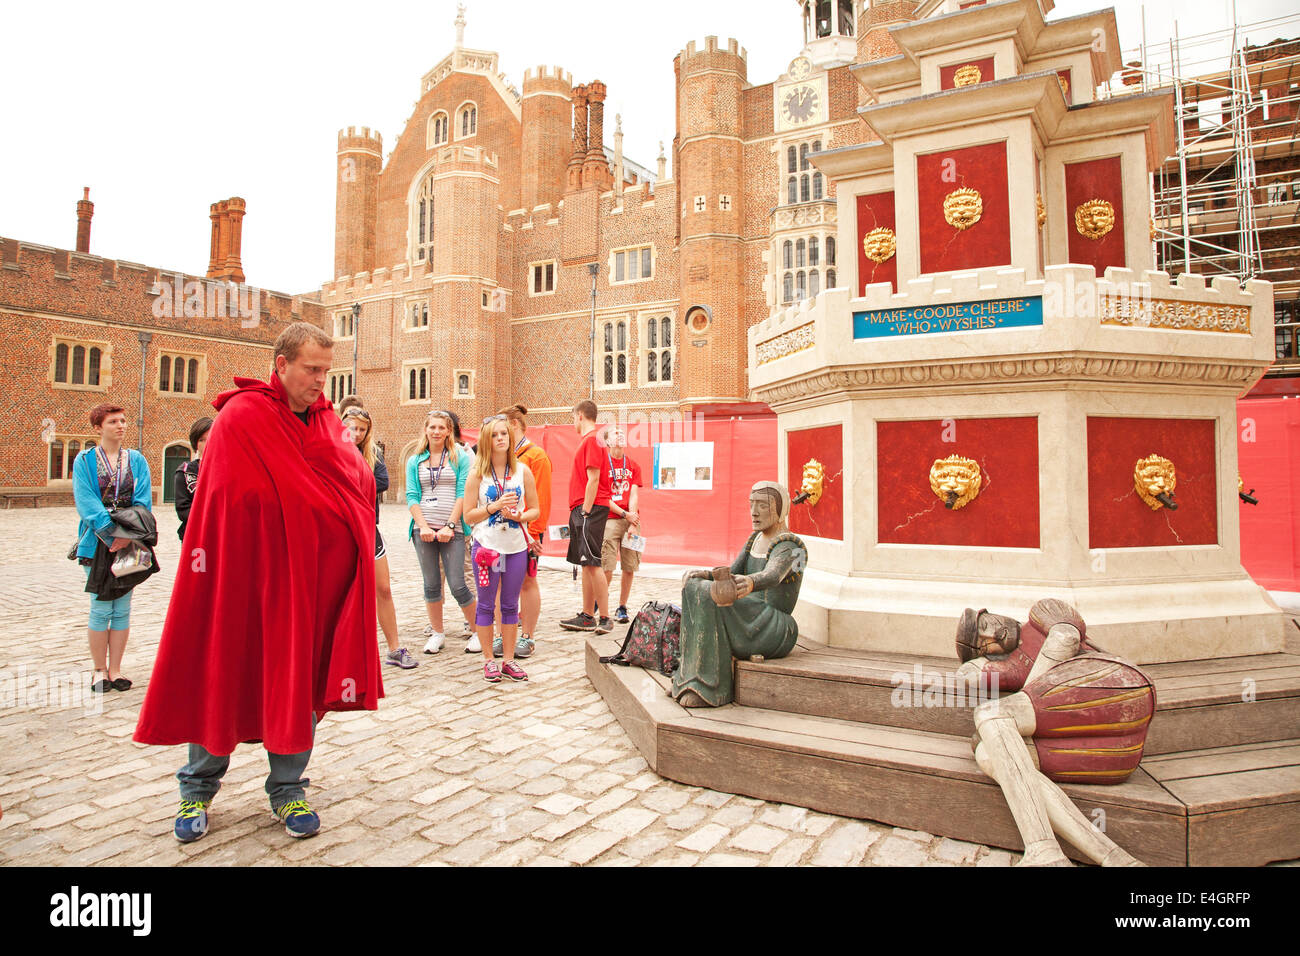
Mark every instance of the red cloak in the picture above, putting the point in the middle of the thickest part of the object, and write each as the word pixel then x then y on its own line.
pixel 272 615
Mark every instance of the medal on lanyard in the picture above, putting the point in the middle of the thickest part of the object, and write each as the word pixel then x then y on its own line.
pixel 434 475
pixel 116 476
pixel 501 488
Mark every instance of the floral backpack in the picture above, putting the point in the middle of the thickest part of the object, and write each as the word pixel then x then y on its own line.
pixel 654 639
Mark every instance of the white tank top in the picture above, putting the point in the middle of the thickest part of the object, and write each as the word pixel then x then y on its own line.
pixel 497 531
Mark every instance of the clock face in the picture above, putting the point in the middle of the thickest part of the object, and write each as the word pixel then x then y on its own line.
pixel 800 104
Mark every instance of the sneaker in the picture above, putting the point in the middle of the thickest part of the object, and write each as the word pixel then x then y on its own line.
pixel 491 673
pixel 474 647
pixel 299 819
pixel 605 626
pixel 403 659
pixel 497 650
pixel 435 643
pixel 524 646
pixel 620 616
pixel 191 820
pixel 513 671
pixel 583 622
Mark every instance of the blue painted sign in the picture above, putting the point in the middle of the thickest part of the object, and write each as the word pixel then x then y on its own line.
pixel 981 315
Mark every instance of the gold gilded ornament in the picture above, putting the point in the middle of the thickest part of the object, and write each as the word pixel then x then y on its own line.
pixel 1042 210
pixel 1065 86
pixel 810 489
pixel 963 207
pixel 967 75
pixel 956 480
pixel 1151 220
pixel 1155 479
pixel 1094 218
pixel 879 244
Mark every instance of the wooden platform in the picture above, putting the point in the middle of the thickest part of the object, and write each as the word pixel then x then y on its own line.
pixel 1220 784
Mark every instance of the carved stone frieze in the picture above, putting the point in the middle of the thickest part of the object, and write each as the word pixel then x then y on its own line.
pixel 787 343
pixel 1173 314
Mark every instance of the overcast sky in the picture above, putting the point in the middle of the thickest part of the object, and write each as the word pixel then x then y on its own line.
pixel 162 108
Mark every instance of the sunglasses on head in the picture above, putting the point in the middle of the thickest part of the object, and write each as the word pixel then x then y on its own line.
pixel 357 413
pixel 494 418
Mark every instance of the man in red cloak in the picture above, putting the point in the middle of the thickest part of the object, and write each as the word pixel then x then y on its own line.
pixel 272 616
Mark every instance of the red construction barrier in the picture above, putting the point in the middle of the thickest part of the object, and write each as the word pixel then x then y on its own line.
pixel 1268 446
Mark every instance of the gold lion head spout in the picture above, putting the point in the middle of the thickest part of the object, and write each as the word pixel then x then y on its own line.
pixel 1155 479
pixel 963 207
pixel 1094 218
pixel 810 489
pixel 956 480
pixel 879 244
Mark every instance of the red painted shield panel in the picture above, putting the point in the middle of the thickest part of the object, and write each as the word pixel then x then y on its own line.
pixel 1095 179
pixel 826 444
pixel 946 73
pixel 1069 85
pixel 1117 517
pixel 1005 513
pixel 876 211
pixel 944 247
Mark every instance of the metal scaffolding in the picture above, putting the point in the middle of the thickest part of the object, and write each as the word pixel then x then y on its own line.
pixel 1228 203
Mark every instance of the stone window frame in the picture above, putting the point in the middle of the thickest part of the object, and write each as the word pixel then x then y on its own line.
pixel 472 107
pixel 800 181
pixel 418 308
pixel 421 199
pixel 415 365
pixel 66 462
pixel 195 367
pixel 456 393
pixel 659 350
pixel 608 334
pixel 612 270
pixel 344 379
pixel 432 141
pixel 72 343
pixel 533 268
pixel 344 326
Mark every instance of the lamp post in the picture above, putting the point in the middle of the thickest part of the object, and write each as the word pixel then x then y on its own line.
pixel 356 335
pixel 593 268
pixel 145 338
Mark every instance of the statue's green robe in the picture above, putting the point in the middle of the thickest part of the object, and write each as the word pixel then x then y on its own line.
pixel 759 623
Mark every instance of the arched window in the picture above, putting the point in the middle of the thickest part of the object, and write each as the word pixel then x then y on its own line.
pixel 801 286
pixel 792 160
pixel 609 337
pixel 805 194
pixel 462 385
pixel 792 190
pixel 468 120
pixel 846 18
pixel 422 222
pixel 813 283
pixel 438 129
pixel 652 367
pixel 56 459
pixel 803 156
pixel 79 365
pixel 622 368
pixel 813 252
pixel 817 146
pixel 609 369
pixel 667 328
pixel 787 255
pixel 192 385
pixel 665 366
pixel 164 375
pixel 830 250
pixel 92 374
pixel 822 24
pixel 652 334
pixel 817 186
pixel 178 375
pixel 800 255
pixel 424 383
pixel 61 363
pixel 410 390
pixel 830 278
pixel 787 288
pixel 622 336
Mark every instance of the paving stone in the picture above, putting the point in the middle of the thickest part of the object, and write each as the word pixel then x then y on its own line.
pixel 560 804
pixel 588 846
pixel 686 818
pixel 846 845
pixel 955 851
pixel 791 853
pixel 703 839
pixel 899 851
pixel 728 860
pixel 628 821
pixel 996 858
pixel 919 835
pixel 757 839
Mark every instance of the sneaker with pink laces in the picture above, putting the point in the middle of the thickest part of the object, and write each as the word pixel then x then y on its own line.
pixel 513 671
pixel 490 673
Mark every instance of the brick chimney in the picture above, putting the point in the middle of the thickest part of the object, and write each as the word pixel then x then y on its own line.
pixel 227 233
pixel 85 209
pixel 579 154
pixel 595 170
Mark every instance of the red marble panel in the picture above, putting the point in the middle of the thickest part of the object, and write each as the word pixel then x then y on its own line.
pixel 1069 85
pixel 1095 179
pixel 1117 517
pixel 826 444
pixel 944 247
pixel 876 211
pixel 1003 515
pixel 985 64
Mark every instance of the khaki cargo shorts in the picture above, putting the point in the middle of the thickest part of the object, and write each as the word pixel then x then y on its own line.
pixel 611 550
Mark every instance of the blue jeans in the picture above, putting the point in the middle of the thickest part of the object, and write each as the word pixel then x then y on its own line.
pixel 438 559
pixel 201 777
pixel 109 615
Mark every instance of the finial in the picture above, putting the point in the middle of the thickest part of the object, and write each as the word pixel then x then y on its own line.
pixel 618 122
pixel 661 149
pixel 460 25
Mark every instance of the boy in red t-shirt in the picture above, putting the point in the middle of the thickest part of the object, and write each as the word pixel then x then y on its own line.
pixel 625 479
pixel 589 490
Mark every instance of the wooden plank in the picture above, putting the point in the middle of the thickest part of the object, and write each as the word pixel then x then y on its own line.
pixel 1195 764
pixel 1251 836
pixel 1211 751
pixel 965 809
pixel 1233 791
pixel 1214 665
pixel 1201 696
pixel 637 699
pixel 1222 725
pixel 1230 679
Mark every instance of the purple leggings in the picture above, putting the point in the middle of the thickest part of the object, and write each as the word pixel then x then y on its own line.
pixel 510 581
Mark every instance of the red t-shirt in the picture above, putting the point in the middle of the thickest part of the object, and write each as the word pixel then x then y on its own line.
pixel 625 474
pixel 591 454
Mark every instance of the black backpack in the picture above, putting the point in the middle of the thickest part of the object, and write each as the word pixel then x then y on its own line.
pixel 654 639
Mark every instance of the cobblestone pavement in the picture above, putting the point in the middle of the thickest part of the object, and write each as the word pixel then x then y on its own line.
pixel 449 770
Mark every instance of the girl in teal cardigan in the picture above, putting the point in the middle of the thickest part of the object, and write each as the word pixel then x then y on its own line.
pixel 435 494
pixel 109 475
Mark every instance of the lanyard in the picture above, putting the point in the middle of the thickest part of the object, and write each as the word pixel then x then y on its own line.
pixel 523 443
pixel 501 485
pixel 116 476
pixel 434 474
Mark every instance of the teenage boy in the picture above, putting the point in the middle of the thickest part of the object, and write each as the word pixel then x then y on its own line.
pixel 589 490
pixel 625 480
